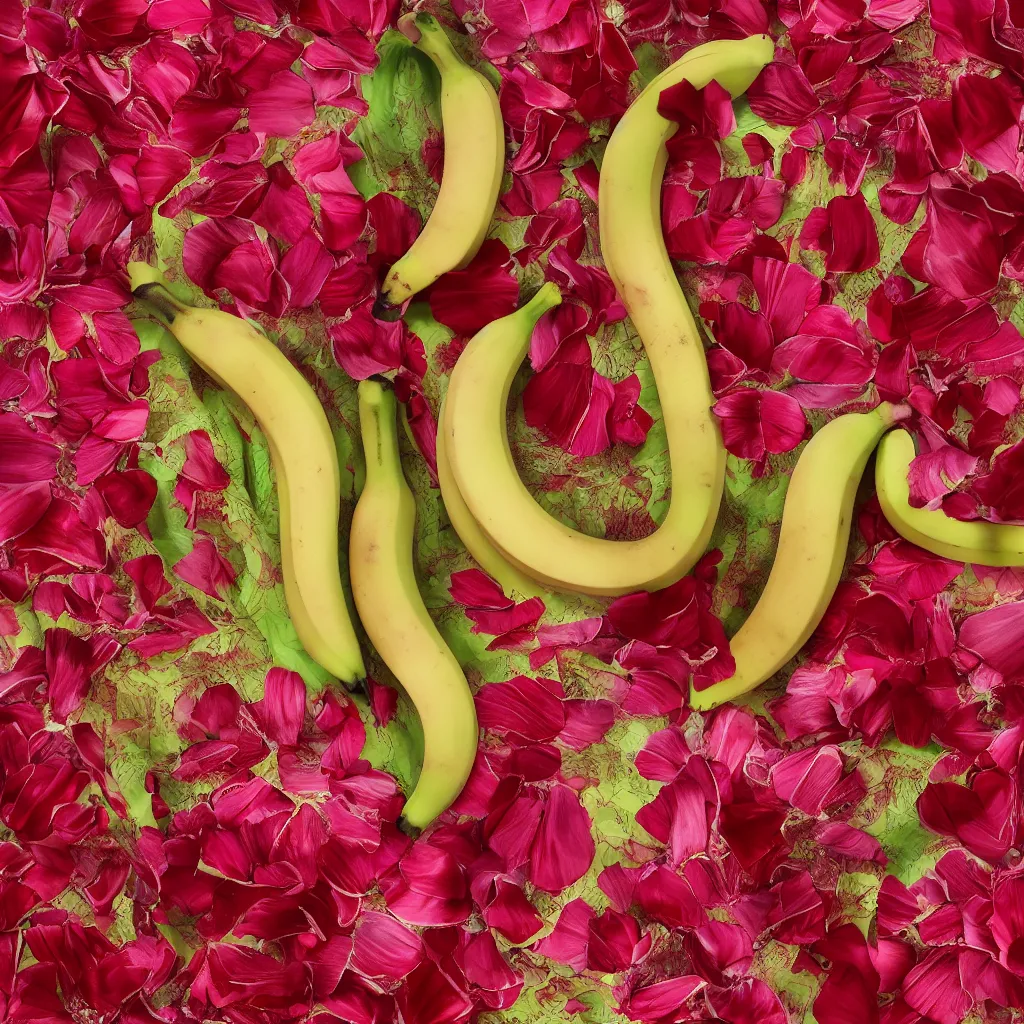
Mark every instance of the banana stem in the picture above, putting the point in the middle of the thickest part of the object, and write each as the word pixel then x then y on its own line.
pixel 378 425
pixel 424 31
pixel 547 297
pixel 149 285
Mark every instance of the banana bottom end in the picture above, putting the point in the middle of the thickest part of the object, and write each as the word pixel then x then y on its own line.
pixel 405 826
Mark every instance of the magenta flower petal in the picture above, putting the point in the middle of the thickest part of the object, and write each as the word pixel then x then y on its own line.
pixel 987 114
pixel 782 95
pixel 662 1002
pixel 846 233
pixel 206 569
pixel 806 778
pixel 564 846
pixel 467 300
pixel 384 948
pixel 757 423
pixel 70 665
pixel 529 708
pixel 567 942
pixel 128 494
pixel 827 350
pixel 26 456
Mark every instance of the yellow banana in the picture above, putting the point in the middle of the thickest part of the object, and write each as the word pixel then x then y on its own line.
pixel 634 252
pixel 488 557
pixel 396 620
pixel 474 160
pixel 305 459
pixel 809 561
pixel 978 543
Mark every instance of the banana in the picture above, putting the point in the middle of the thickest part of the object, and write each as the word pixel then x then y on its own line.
pixel 488 557
pixel 977 543
pixel 397 621
pixel 809 561
pixel 304 455
pixel 634 252
pixel 474 160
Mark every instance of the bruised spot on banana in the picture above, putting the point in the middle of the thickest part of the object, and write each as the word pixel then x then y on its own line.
pixel 396 619
pixel 474 161
pixel 304 456
pixel 975 543
pixel 809 560
pixel 633 246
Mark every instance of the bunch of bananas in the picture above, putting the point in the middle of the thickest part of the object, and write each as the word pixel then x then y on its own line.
pixel 509 534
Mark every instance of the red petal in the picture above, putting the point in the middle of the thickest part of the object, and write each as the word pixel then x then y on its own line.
pixel 523 706
pixel 206 569
pixel 567 942
pixel 564 847
pixel 467 300
pixel 129 495
pixel 987 112
pixel 755 423
pixel 782 95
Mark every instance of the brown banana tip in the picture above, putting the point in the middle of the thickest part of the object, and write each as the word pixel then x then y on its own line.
pixel 157 296
pixel 408 27
pixel 412 831
pixel 384 311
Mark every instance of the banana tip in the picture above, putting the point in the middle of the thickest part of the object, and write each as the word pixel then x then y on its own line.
pixel 407 26
pixel 140 274
pixel 404 826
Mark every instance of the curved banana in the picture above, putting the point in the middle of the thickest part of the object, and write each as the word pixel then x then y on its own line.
pixel 488 557
pixel 397 621
pixel 634 253
pixel 474 160
pixel 305 459
pixel 809 560
pixel 977 543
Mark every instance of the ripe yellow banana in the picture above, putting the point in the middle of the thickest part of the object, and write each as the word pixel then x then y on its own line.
pixel 809 561
pixel 514 583
pixel 978 543
pixel 474 160
pixel 305 459
pixel 634 252
pixel 396 620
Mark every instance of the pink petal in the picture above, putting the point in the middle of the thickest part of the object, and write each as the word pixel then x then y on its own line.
pixel 987 114
pixel 564 846
pixel 26 456
pixel 567 942
pixel 21 507
pixel 993 636
pixel 128 494
pixel 755 423
pixel 678 817
pixel 70 665
pixel 806 778
pixel 662 1001
pixel 752 1001
pixel 782 95
pixel 364 346
pixel 467 300
pixel 934 988
pixel 523 706
pixel 786 291
pixel 383 948
pixel 613 938
pixel 828 350
pixel 511 913
pixel 586 722
pixel 571 404
pixel 62 534
pixel 206 569
pixel 846 234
